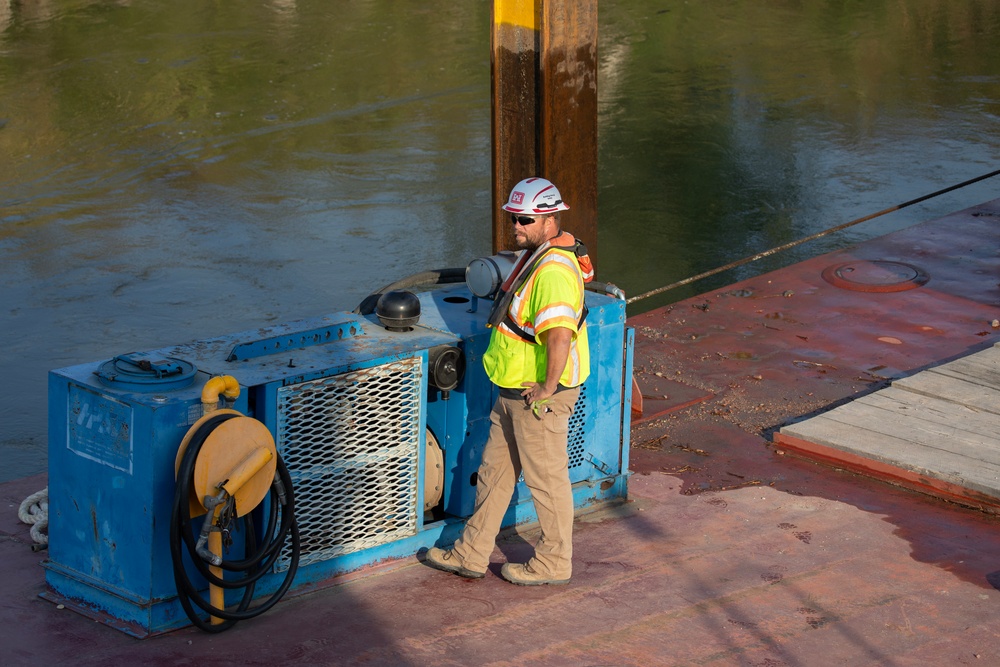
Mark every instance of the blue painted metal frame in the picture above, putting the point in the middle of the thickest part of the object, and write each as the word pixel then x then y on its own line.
pixel 110 503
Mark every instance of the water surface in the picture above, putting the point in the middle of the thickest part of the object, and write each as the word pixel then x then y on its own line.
pixel 171 171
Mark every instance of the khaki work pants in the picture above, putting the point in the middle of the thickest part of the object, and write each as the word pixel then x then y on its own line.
pixel 521 442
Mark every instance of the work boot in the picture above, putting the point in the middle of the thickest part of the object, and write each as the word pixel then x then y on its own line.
pixel 446 561
pixel 522 575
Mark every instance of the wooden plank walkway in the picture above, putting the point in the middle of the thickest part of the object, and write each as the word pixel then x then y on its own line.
pixel 937 431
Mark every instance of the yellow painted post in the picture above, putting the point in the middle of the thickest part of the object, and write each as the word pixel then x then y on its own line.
pixel 515 43
pixel 544 90
pixel 216 594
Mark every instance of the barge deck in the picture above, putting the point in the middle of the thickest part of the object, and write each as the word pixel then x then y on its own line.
pixel 730 551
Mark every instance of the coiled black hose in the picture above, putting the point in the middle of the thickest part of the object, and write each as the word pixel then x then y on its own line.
pixel 258 559
pixel 431 277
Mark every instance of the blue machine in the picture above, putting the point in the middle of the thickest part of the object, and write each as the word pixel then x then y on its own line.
pixel 381 444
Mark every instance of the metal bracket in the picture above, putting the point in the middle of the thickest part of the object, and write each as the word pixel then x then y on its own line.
pixel 600 465
pixel 296 340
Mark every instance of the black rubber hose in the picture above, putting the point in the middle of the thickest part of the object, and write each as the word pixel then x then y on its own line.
pixel 432 277
pixel 261 558
pixel 186 591
pixel 604 288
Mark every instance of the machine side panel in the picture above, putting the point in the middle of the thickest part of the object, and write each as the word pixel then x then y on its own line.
pixel 353 443
pixel 111 457
pixel 602 458
pixel 468 428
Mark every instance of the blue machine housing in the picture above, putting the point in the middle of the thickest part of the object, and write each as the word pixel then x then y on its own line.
pixel 350 405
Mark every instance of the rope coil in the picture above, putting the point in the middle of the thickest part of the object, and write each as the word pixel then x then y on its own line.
pixel 34 510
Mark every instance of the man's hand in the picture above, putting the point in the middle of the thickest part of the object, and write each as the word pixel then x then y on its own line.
pixel 535 392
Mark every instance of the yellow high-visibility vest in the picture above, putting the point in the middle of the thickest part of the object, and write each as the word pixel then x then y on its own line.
pixel 552 296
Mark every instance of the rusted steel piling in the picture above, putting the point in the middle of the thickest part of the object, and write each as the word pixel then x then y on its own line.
pixel 544 95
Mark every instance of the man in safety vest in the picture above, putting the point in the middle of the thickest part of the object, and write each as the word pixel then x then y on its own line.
pixel 538 357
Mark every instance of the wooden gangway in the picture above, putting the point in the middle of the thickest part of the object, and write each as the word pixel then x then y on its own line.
pixel 936 431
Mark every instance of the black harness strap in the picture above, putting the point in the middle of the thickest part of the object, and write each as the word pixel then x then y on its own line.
pixel 500 313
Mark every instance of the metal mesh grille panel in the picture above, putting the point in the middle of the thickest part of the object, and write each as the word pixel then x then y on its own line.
pixel 576 438
pixel 351 444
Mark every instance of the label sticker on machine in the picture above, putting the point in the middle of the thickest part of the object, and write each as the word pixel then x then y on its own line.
pixel 99 428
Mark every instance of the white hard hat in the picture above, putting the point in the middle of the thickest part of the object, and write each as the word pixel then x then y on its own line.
pixel 535 196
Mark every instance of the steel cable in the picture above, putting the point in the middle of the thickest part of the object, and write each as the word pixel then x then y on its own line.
pixel 792 244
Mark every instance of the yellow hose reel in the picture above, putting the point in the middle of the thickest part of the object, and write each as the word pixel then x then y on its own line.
pixel 237 460
pixel 239 456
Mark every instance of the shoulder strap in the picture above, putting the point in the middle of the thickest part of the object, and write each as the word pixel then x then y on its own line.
pixel 500 312
pixel 502 302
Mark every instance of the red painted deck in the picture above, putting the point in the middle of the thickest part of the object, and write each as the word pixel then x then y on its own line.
pixel 728 552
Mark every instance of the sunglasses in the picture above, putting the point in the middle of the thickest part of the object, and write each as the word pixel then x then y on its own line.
pixel 522 220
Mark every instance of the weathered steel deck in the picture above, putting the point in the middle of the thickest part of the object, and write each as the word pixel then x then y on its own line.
pixel 936 431
pixel 728 553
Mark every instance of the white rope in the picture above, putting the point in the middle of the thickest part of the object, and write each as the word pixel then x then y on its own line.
pixel 35 511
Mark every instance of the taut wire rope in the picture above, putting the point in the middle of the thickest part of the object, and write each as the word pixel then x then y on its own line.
pixel 792 244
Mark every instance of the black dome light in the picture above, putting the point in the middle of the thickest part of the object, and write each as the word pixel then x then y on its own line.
pixel 398 310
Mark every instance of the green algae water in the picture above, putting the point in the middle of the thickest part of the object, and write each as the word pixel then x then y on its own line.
pixel 171 171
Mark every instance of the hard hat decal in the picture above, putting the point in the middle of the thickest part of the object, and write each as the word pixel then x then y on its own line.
pixel 516 197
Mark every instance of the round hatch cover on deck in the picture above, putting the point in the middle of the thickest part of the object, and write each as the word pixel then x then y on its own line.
pixel 140 371
pixel 875 275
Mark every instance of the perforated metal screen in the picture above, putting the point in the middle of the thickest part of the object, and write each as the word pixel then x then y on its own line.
pixel 351 444
pixel 576 439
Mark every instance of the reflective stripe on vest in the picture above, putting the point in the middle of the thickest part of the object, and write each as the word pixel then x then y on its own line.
pixel 516 321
